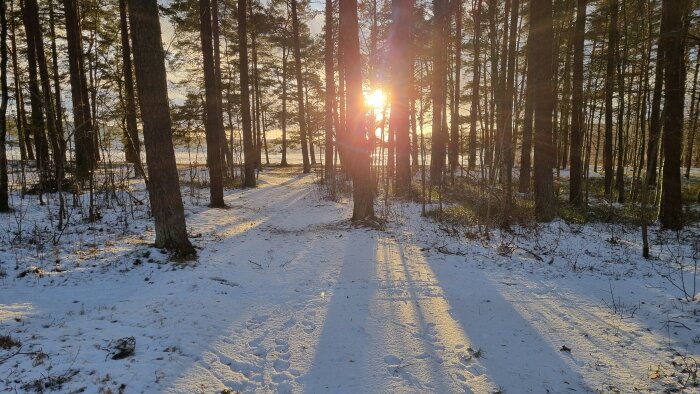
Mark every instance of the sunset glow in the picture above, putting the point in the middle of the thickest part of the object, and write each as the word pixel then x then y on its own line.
pixel 376 100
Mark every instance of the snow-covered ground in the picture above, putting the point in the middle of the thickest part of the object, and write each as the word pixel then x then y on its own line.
pixel 287 296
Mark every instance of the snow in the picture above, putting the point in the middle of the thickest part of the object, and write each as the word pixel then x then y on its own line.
pixel 287 296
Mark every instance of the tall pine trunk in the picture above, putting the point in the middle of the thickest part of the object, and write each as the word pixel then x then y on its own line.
pixel 455 142
pixel 439 134
pixel 300 88
pixel 675 12
pixel 85 155
pixel 248 148
pixel 541 21
pixel 359 152
pixel 4 187
pixel 507 147
pixel 400 38
pixel 132 147
pixel 475 85
pixel 164 185
pixel 609 91
pixel 528 109
pixel 211 126
pixel 577 116
pixel 330 92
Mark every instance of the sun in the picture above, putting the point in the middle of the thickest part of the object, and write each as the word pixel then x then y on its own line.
pixel 376 100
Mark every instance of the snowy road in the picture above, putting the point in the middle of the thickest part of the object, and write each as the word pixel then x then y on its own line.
pixel 287 296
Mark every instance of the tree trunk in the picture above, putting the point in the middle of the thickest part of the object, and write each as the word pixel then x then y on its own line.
pixel 4 186
pixel 300 88
pixel 85 157
pixel 363 194
pixel 655 119
pixel 577 117
pixel 609 91
pixel 400 37
pixel 56 85
pixel 248 149
pixel 132 147
pixel 330 92
pixel 694 106
pixel 675 13
pixel 211 127
pixel 541 20
pixel 35 38
pixel 455 143
pixel 164 185
pixel 439 135
pixel 526 150
pixel 284 107
pixel 475 85
pixel 507 147
pixel 35 97
pixel 25 141
pixel 226 154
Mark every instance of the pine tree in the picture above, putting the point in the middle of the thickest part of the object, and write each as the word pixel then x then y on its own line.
pixel 211 126
pixel 541 21
pixel 359 155
pixel 164 185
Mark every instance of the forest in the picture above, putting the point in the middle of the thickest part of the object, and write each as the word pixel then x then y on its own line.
pixel 404 196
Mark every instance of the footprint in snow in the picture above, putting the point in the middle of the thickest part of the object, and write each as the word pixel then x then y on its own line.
pixel 309 326
pixel 280 365
pixel 392 360
pixel 256 321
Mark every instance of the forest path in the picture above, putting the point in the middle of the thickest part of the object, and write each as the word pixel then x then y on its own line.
pixel 287 296
pixel 342 309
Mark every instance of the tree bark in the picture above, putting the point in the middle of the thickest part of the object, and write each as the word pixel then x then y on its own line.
pixel 4 186
pixel 475 84
pixel 132 148
pixel 541 25
pixel 455 143
pixel 577 117
pixel 439 134
pixel 226 154
pixel 84 137
pixel 675 12
pixel 23 132
pixel 609 91
pixel 359 153
pixel 507 142
pixel 283 121
pixel 35 37
pixel 37 123
pixel 211 127
pixel 57 85
pixel 248 148
pixel 528 109
pixel 330 92
pixel 694 112
pixel 400 39
pixel 164 185
pixel 300 88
